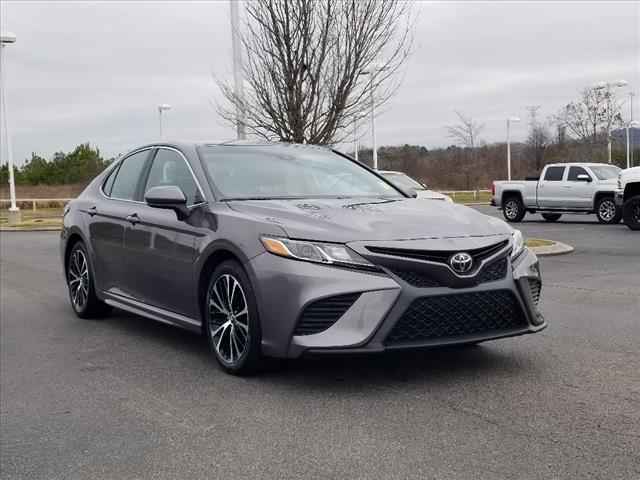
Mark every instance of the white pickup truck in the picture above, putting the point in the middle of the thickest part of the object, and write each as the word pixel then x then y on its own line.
pixel 561 188
pixel 628 197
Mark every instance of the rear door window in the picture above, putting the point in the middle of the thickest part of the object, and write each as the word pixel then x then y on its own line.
pixel 125 185
pixel 554 174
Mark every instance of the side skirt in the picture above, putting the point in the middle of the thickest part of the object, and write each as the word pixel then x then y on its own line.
pixel 154 313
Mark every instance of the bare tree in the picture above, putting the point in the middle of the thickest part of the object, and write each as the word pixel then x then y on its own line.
pixel 539 136
pixel 466 132
pixel 592 116
pixel 312 66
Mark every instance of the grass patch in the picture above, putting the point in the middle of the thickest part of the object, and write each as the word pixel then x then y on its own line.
pixel 469 197
pixel 29 214
pixel 538 242
pixel 32 223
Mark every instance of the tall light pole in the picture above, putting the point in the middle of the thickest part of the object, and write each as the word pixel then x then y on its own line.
pixel 238 86
pixel 7 38
pixel 631 95
pixel 633 123
pixel 608 86
pixel 374 69
pixel 509 120
pixel 355 137
pixel 161 108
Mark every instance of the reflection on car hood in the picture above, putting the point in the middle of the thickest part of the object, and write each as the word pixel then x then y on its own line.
pixel 346 220
pixel 432 194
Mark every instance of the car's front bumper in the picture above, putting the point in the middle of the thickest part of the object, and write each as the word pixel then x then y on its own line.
pixel 284 288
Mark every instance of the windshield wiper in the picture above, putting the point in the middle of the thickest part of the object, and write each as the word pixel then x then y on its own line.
pixel 235 199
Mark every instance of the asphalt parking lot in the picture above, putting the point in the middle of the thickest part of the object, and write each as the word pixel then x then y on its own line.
pixel 128 398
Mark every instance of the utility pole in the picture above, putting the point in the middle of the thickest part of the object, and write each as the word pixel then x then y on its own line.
pixel 237 69
pixel 7 38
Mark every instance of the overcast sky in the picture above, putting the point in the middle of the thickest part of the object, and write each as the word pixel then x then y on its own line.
pixel 96 71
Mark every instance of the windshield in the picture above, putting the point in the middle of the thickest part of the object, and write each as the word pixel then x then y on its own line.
pixel 402 180
pixel 251 172
pixel 605 172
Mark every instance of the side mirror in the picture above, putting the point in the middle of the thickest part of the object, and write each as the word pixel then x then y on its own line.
pixel 583 178
pixel 411 192
pixel 168 197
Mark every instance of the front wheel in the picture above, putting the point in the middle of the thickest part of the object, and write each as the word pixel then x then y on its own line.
pixel 551 217
pixel 607 211
pixel 231 320
pixel 513 210
pixel 631 213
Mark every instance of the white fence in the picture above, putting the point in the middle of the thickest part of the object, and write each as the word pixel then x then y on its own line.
pixel 468 195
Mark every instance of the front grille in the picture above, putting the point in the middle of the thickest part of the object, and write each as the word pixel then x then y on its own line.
pixel 535 287
pixel 494 271
pixel 320 315
pixel 417 279
pixel 440 256
pixel 459 315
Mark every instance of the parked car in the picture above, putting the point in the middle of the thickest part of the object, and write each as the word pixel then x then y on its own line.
pixel 628 197
pixel 282 250
pixel 561 188
pixel 405 182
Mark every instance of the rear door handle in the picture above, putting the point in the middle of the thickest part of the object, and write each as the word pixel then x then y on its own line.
pixel 92 210
pixel 133 218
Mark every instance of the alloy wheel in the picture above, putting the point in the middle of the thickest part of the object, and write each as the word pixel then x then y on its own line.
pixel 511 209
pixel 607 210
pixel 228 319
pixel 78 279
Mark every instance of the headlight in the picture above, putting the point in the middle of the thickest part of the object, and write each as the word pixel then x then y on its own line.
pixel 517 242
pixel 326 253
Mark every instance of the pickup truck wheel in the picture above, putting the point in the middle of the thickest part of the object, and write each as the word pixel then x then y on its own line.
pixel 551 217
pixel 631 213
pixel 513 209
pixel 607 211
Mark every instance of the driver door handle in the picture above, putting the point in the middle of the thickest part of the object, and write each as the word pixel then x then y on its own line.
pixel 92 210
pixel 133 218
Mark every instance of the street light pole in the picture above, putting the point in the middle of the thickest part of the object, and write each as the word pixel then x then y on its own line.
pixel 630 124
pixel 509 120
pixel 162 108
pixel 631 94
pixel 608 85
pixel 373 128
pixel 237 69
pixel 8 38
pixel 355 137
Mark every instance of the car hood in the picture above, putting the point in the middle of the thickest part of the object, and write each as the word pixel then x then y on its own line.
pixel 347 220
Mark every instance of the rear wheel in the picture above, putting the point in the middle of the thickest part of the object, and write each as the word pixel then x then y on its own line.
pixel 631 213
pixel 551 217
pixel 607 211
pixel 513 209
pixel 231 320
pixel 80 282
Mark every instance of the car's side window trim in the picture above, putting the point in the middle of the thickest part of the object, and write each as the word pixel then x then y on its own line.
pixel 193 175
pixel 121 161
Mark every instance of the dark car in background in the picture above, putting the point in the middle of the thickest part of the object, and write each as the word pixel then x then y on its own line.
pixel 282 250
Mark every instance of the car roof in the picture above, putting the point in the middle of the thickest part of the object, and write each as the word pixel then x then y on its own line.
pixel 580 164
pixel 191 145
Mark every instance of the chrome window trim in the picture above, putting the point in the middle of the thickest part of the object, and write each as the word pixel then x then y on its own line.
pixel 193 175
pixel 108 197
pixel 156 147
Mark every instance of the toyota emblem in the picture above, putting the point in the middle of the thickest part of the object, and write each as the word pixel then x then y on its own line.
pixel 461 262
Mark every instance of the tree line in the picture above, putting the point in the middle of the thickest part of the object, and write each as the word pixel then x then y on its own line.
pixel 78 166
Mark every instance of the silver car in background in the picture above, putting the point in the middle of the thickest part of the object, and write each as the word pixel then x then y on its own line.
pixel 284 250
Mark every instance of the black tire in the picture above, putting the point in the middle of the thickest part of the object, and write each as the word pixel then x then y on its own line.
pixel 225 341
pixel 631 213
pixel 81 284
pixel 513 209
pixel 551 217
pixel 607 211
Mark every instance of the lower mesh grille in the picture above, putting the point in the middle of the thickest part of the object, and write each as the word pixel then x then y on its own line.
pixel 417 279
pixel 451 316
pixel 535 287
pixel 320 315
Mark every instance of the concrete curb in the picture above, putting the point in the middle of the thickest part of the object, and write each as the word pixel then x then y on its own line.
pixel 558 248
pixel 37 229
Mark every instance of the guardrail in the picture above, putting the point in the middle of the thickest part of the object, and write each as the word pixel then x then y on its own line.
pixel 32 203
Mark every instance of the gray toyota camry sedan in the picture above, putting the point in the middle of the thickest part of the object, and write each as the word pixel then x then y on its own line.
pixel 282 250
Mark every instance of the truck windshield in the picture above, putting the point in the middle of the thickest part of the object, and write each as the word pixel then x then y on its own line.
pixel 281 171
pixel 605 172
